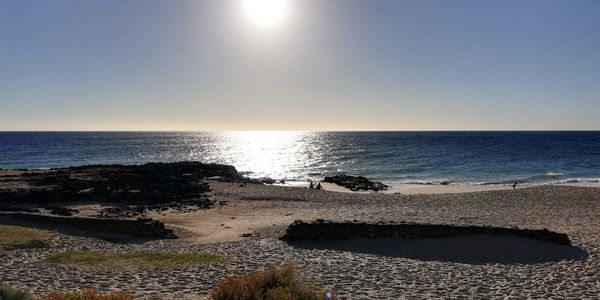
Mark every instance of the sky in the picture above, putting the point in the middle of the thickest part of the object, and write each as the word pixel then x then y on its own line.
pixel 324 65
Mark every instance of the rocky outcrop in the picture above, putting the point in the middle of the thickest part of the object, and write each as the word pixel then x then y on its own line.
pixel 121 212
pixel 145 228
pixel 62 211
pixel 356 183
pixel 148 184
pixel 15 208
pixel 325 230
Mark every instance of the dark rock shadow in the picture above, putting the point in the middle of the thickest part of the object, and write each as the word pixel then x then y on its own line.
pixel 475 249
pixel 116 238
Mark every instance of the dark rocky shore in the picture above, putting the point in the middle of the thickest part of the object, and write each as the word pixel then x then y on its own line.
pixel 135 188
pixel 356 183
pixel 152 183
pixel 125 192
pixel 129 190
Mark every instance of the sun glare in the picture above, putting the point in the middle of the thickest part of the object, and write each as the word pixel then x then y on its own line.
pixel 266 13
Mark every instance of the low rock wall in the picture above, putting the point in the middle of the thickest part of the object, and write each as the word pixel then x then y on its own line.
pixel 324 230
pixel 146 228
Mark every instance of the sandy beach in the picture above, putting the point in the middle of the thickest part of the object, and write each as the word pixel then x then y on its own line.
pixel 434 189
pixel 247 226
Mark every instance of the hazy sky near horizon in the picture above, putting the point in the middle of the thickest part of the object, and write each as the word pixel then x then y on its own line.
pixel 328 65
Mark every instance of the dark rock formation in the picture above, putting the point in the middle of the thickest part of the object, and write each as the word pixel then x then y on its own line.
pixel 121 212
pixel 355 183
pixel 244 180
pixel 62 211
pixel 263 180
pixel 14 208
pixel 149 184
pixel 146 228
pixel 325 230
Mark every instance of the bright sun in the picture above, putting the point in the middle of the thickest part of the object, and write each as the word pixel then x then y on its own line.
pixel 266 13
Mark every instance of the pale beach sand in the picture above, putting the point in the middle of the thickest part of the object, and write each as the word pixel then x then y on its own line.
pixel 359 269
pixel 434 189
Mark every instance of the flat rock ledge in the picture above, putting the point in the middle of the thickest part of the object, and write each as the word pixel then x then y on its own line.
pixel 143 228
pixel 181 186
pixel 322 230
pixel 147 184
pixel 356 183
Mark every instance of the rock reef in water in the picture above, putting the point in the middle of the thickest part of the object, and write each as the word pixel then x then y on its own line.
pixel 326 230
pixel 356 183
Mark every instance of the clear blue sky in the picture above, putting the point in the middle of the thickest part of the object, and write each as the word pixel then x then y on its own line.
pixel 329 65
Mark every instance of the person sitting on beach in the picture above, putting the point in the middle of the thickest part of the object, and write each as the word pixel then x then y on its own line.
pixel 319 186
pixel 311 185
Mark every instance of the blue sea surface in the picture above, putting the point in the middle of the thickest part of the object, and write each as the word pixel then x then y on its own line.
pixel 400 158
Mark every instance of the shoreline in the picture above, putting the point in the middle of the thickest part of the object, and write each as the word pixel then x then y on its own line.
pixel 429 187
pixel 432 189
pixel 426 189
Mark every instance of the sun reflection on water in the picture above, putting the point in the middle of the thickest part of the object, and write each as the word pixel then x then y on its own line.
pixel 278 154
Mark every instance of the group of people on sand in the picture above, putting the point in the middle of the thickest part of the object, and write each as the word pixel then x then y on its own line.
pixel 313 186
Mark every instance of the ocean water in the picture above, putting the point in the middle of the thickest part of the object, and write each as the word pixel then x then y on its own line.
pixel 397 158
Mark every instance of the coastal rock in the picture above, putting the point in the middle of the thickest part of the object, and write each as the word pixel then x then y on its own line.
pixel 15 208
pixel 244 180
pixel 180 183
pixel 62 211
pixel 326 230
pixel 121 212
pixel 355 183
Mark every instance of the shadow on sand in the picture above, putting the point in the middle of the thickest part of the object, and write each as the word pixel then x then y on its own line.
pixel 115 238
pixel 469 249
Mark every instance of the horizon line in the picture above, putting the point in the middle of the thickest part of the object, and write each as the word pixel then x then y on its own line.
pixel 323 131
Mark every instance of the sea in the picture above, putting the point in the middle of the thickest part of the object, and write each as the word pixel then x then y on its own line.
pixel 395 158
